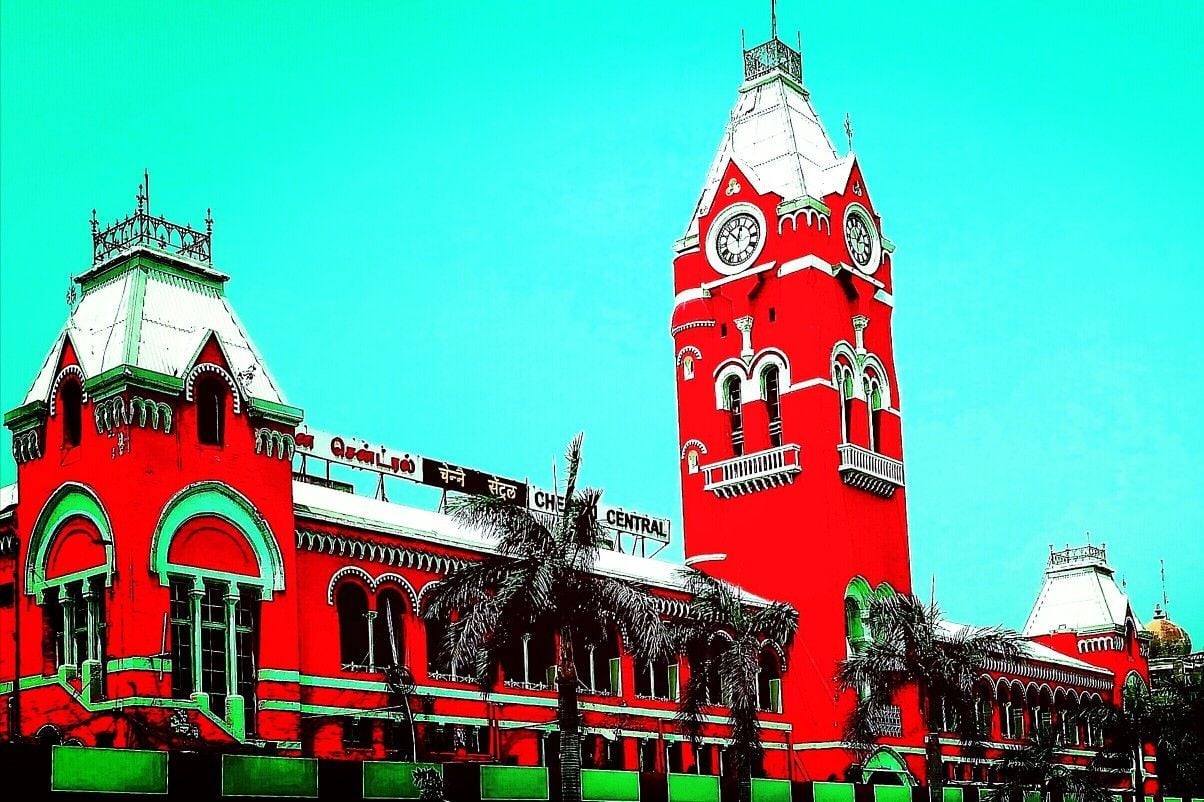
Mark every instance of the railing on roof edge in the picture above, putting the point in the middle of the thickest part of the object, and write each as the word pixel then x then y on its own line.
pixel 773 55
pixel 1069 555
pixel 143 228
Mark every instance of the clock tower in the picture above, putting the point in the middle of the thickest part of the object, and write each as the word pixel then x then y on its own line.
pixel 788 400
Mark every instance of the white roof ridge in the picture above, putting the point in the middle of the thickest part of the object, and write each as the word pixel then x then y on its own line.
pixel 389 518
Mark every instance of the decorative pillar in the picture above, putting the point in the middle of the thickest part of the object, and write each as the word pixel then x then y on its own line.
pixel 194 599
pixel 235 709
pixel 68 605
pixel 860 322
pixel 526 657
pixel 371 616
pixel 745 324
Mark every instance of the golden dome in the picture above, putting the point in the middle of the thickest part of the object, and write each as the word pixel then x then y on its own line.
pixel 1170 639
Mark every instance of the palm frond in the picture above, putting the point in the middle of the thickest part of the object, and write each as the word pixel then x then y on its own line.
pixel 518 531
pixel 637 611
pixel 778 622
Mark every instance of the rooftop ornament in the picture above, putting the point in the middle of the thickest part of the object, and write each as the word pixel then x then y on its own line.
pixel 773 55
pixel 1079 554
pixel 146 230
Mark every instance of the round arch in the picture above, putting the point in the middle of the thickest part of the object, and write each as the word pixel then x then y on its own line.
pixel 888 760
pixel 70 500
pixel 220 501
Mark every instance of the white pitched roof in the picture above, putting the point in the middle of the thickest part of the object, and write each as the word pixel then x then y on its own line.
pixel 8 496
pixel 157 321
pixel 1031 650
pixel 777 139
pixel 321 503
pixel 1079 597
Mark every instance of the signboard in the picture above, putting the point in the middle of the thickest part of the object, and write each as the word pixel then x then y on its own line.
pixel 459 479
pixel 356 453
pixel 627 522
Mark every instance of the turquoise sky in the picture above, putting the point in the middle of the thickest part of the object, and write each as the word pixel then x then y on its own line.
pixel 449 228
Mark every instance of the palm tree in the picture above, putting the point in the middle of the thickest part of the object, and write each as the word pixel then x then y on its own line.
pixel 911 644
pixel 1036 767
pixel 541 579
pixel 733 658
pixel 1170 716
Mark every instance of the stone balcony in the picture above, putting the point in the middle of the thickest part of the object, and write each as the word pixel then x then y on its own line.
pixel 773 467
pixel 870 471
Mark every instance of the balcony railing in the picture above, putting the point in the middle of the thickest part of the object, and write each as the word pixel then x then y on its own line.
pixel 887 721
pixel 869 470
pixel 749 473
pixel 142 228
pixel 1079 554
pixel 773 55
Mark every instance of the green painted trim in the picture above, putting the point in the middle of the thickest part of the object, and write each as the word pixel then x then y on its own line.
pixel 257 775
pixel 122 377
pixel 887 245
pixel 133 320
pixel 68 501
pixel 765 790
pixel 279 675
pixel 138 664
pixel 952 795
pixel 832 792
pixel 808 202
pixel 144 259
pixel 693 788
pixel 125 771
pixel 604 785
pixel 888 759
pixel 514 782
pixel 222 501
pixel 341 683
pixel 393 780
pixel 25 417
pixel 270 410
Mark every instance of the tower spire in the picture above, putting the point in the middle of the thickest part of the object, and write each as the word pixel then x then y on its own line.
pixel 773 19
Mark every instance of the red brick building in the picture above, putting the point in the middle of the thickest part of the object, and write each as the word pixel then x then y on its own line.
pixel 177 567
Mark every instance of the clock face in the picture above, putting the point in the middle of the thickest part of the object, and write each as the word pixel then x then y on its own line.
pixel 738 239
pixel 860 239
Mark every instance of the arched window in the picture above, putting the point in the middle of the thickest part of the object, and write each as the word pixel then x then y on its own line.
pixel 72 403
pixel 656 679
pixel 211 410
pixel 687 367
pixel 530 661
pixel 732 402
pixel 388 644
pixel 771 390
pixel 847 391
pixel 598 664
pixel 873 397
pixel 352 603
pixel 438 661
pixel 769 683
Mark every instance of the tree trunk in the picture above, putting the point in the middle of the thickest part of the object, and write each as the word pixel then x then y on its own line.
pixel 567 717
pixel 744 785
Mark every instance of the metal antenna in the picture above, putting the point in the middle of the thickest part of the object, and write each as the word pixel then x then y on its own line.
pixel 146 183
pixel 1162 570
pixel 773 20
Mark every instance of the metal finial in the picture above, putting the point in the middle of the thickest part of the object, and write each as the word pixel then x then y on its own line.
pixel 95 223
pixel 848 130
pixel 141 199
pixel 146 184
pixel 773 19
pixel 1162 570
pixel 209 221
